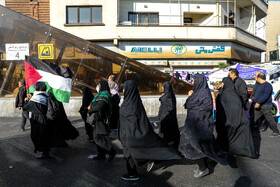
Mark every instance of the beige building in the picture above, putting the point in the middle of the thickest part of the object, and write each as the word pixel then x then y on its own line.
pixel 170 35
pixel 272 29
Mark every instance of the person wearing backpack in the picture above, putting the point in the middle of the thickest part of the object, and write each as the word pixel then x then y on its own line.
pixel 101 108
pixel 38 106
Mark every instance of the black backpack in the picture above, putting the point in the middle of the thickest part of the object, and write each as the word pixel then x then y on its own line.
pixel 53 111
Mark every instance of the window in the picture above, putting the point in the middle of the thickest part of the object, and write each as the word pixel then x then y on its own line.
pixel 143 18
pixel 188 21
pixel 84 15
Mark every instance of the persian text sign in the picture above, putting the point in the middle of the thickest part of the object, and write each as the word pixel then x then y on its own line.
pixel 17 51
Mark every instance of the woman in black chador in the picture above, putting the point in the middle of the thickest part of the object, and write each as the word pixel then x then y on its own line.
pixel 197 140
pixel 232 124
pixel 168 116
pixel 139 141
pixel 101 108
pixel 87 98
pixel 39 125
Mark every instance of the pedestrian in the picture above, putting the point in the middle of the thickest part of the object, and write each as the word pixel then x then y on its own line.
pixel 20 102
pixel 197 140
pixel 39 124
pixel 140 143
pixel 168 116
pixel 240 87
pixel 86 100
pixel 114 89
pixel 232 125
pixel 178 75
pixel 101 107
pixel 263 104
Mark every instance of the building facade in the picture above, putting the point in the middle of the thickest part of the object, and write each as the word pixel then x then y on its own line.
pixel 273 31
pixel 181 35
pixel 37 9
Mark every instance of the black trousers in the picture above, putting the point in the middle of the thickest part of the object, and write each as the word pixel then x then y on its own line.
pixel 265 112
pixel 202 164
pixel 24 117
pixel 130 166
pixel 102 152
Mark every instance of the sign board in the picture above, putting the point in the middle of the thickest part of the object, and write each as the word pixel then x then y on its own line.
pixel 45 51
pixel 17 51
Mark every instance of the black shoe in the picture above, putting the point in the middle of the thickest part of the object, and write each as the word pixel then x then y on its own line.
pixel 130 177
pixel 263 129
pixel 275 134
pixel 112 156
pixel 89 140
pixel 98 157
pixel 43 156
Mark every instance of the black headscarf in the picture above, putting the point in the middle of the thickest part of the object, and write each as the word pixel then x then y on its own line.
pixel 103 86
pixel 132 100
pixel 201 99
pixel 87 96
pixel 168 100
pixel 41 86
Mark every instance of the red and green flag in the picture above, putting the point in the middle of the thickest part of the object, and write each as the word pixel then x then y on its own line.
pixel 57 78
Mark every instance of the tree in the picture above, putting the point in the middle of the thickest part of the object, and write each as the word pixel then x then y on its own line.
pixel 223 65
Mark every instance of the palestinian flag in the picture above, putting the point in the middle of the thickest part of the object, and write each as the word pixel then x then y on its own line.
pixel 57 78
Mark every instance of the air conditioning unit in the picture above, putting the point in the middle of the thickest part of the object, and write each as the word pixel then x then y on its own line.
pixel 126 23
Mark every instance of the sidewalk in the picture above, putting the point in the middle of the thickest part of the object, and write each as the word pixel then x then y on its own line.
pixel 72 167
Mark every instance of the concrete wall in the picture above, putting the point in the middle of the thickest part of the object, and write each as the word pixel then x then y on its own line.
pixel 151 104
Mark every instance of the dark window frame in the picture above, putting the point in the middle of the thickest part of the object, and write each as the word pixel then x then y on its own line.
pixel 78 16
pixel 148 13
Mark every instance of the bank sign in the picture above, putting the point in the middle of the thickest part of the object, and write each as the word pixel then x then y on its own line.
pixel 199 50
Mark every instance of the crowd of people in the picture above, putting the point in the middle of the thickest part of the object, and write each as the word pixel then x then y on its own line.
pixel 141 145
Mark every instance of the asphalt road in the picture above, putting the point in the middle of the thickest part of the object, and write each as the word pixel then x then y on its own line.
pixel 72 167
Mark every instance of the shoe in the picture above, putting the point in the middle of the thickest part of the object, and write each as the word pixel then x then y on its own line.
pixel 22 129
pixel 98 157
pixel 43 156
pixel 201 174
pixel 112 156
pixel 150 166
pixel 263 129
pixel 89 140
pixel 275 134
pixel 130 177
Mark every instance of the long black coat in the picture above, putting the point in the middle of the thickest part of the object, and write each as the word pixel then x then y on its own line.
pixel 197 139
pixel 232 125
pixel 242 91
pixel 136 133
pixel 40 131
pixel 168 115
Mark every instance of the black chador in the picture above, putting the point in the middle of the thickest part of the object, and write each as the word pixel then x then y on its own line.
pixel 101 107
pixel 39 124
pixel 197 140
pixel 87 98
pixel 232 124
pixel 139 141
pixel 168 115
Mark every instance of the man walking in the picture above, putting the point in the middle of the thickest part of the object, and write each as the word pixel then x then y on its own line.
pixel 20 102
pixel 263 104
pixel 240 87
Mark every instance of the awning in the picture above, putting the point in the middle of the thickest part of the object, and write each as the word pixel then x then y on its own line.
pixel 195 63
pixel 154 62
